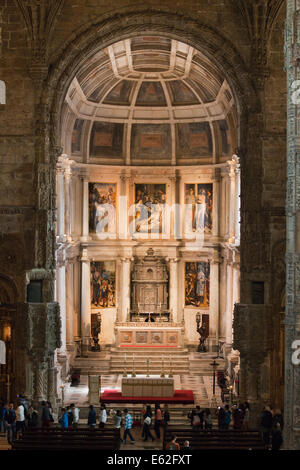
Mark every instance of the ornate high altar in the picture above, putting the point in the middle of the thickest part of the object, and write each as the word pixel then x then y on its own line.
pixel 149 289
pixel 150 321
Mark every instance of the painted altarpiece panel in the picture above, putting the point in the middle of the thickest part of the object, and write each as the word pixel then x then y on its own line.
pixel 150 203
pixel 103 284
pixel 102 208
pixel 198 208
pixel 197 284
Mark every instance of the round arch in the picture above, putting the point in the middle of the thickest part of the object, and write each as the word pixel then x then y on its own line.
pixel 110 29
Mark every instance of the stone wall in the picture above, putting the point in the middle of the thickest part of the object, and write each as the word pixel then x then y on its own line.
pixel 43 44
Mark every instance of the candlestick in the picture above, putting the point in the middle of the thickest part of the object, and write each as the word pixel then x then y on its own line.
pixel 133 368
pixel 148 362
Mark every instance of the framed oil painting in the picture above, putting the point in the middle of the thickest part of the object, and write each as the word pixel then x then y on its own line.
pixel 197 280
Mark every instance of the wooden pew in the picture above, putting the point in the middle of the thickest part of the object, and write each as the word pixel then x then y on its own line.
pixel 215 439
pixel 68 439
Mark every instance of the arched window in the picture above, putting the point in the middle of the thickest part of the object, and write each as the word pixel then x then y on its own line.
pixel 2 92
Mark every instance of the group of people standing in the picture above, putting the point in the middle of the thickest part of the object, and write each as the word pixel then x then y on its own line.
pixel 159 417
pixel 15 420
pixel 271 424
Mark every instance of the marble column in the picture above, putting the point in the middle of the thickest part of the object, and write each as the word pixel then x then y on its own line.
pixel 223 299
pixel 125 301
pixel 216 202
pixel 229 310
pixel 69 302
pixel 85 301
pixel 61 297
pixel 173 290
pixel 232 202
pixel 61 205
pixel 85 210
pixel 214 302
pixel 68 208
pixel 123 207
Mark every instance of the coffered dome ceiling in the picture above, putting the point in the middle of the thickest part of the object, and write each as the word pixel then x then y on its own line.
pixel 149 100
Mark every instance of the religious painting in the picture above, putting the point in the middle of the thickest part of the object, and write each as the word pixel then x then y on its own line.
pixel 102 208
pixel 141 337
pixel 198 208
pixel 103 284
pixel 197 280
pixel 150 201
pixel 157 337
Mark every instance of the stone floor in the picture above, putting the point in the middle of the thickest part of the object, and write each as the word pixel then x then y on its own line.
pixel 201 386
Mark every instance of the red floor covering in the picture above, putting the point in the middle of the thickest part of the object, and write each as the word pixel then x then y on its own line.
pixel 183 397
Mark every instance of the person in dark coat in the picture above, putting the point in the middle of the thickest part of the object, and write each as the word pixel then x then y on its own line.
pixel 166 416
pixel 266 424
pixel 92 417
pixel 32 417
pixel 277 439
pixel 221 418
pixel 46 418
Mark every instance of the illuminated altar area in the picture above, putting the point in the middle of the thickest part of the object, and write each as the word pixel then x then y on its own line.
pixel 147 215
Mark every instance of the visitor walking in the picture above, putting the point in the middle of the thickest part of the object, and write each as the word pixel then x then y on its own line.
pixel 158 419
pixel 207 420
pixel 103 416
pixel 70 416
pixel 147 424
pixel 118 419
pixel 277 439
pixel 238 417
pixel 127 427
pixel 2 417
pixel 75 412
pixel 20 418
pixel 227 417
pixel 92 417
pixel 64 419
pixel 32 417
pixel 46 415
pixel 278 418
pixel 221 418
pixel 266 423
pixel 166 416
pixel 201 416
pixel 10 418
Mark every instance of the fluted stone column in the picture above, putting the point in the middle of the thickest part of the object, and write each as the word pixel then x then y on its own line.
pixel 173 291
pixel 125 301
pixel 214 302
pixel 85 301
pixel 85 210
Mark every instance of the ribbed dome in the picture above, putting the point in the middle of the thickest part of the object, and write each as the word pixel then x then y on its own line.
pixel 153 99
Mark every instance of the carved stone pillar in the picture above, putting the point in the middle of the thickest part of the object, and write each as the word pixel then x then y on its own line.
pixel 173 290
pixel 85 210
pixel 251 326
pixel 125 301
pixel 214 301
pixel 85 300
pixel 292 320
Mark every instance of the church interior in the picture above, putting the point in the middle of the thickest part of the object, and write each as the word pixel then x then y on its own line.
pixel 149 204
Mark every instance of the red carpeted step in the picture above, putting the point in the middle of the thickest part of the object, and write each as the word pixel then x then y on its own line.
pixel 183 397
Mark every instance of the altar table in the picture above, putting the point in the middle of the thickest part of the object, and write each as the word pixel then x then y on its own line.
pixel 147 387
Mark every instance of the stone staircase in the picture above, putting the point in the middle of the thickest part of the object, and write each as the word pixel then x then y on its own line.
pixel 113 362
pixel 176 360
pixel 200 363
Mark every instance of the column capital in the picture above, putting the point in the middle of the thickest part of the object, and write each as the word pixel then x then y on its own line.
pixel 84 255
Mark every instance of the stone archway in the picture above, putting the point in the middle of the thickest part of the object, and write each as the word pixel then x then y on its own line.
pixel 97 36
